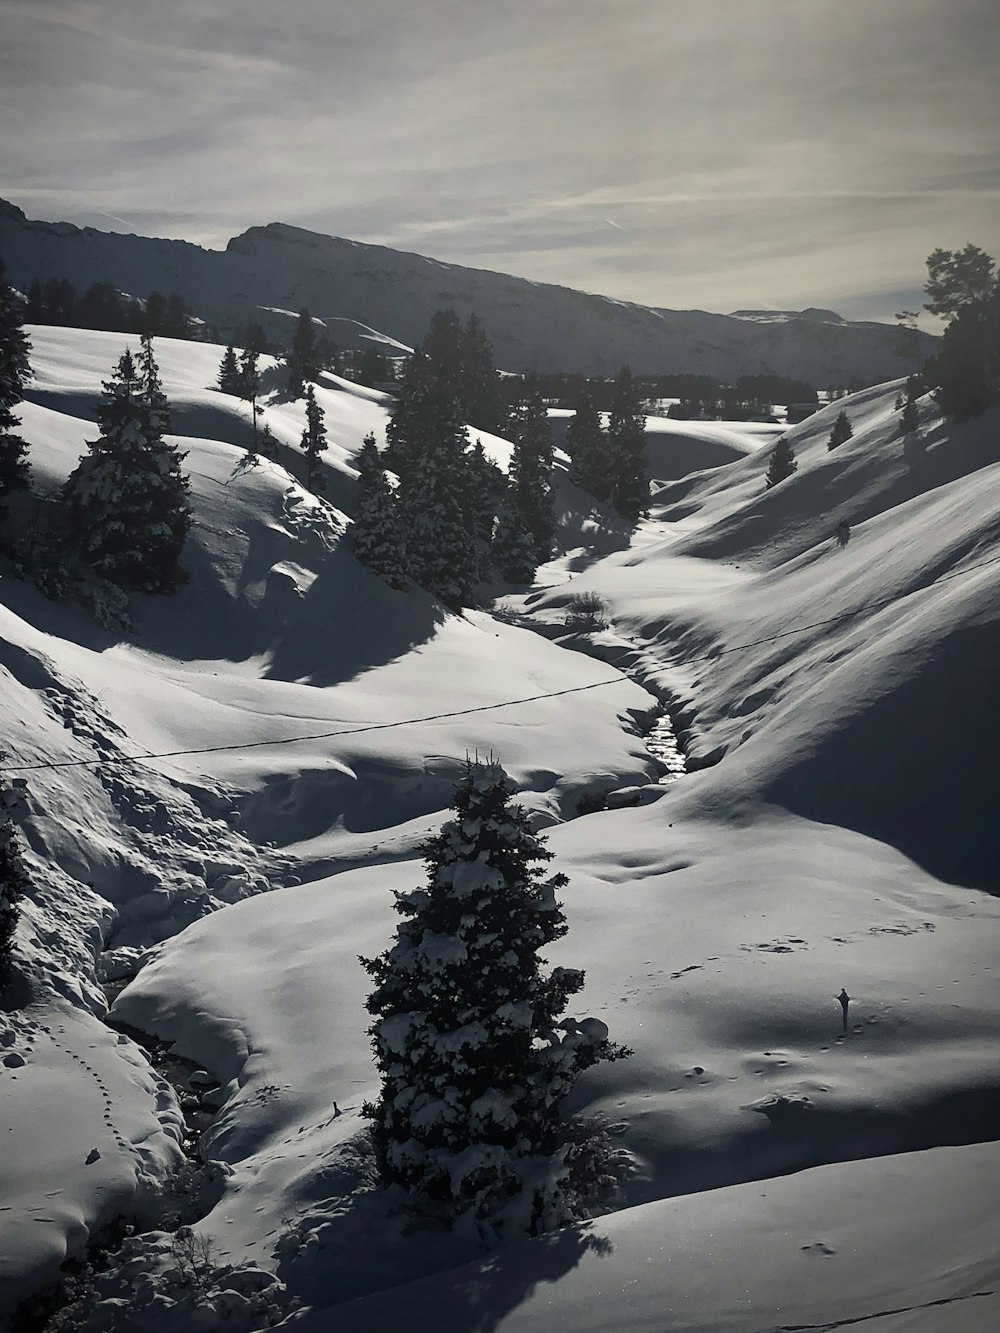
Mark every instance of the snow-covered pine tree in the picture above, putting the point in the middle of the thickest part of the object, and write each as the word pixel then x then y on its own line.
pixel 127 499
pixel 14 373
pixel 411 431
pixel 512 553
pixel 782 462
pixel 531 471
pixel 314 443
pixel 249 376
pixel 908 418
pixel 13 881
pixel 841 432
pixel 587 446
pixel 375 533
pixel 304 357
pixel 486 486
pixel 475 1057
pixel 229 378
pixel 438 548
pixel 627 448
pixel 484 405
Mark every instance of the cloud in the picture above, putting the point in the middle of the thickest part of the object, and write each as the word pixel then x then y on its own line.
pixel 659 150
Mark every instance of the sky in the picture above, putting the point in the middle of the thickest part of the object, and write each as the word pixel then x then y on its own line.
pixel 717 154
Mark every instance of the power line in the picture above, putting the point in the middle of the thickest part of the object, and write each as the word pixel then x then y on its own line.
pixel 488 708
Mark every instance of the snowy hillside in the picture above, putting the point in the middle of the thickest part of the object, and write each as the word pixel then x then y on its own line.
pixel 533 326
pixel 835 830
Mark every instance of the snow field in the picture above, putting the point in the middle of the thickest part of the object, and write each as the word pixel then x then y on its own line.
pixel 716 925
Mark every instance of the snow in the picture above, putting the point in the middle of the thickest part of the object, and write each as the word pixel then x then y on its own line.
pixel 837 830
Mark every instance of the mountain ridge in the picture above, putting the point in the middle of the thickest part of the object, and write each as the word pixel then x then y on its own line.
pixel 533 325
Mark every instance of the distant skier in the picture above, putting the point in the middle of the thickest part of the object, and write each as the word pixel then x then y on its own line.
pixel 843 533
pixel 845 1000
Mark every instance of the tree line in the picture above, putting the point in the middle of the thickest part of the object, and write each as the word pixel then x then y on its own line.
pixel 437 512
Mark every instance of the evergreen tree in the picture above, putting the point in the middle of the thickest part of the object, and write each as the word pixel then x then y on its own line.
pixel 484 405
pixel 486 486
pixel 587 446
pixel 314 443
pixel 13 881
pixel 908 418
pixel 426 449
pixel 375 534
pixel 443 346
pixel 14 374
pixel 841 432
pixel 303 359
pixel 512 552
pixel 475 1058
pixel 627 448
pixel 531 471
pixel 782 462
pixel 127 499
pixel 230 379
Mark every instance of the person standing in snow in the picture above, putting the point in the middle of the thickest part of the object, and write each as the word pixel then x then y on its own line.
pixel 845 1000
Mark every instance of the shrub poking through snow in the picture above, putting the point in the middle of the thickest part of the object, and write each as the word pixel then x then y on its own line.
pixel 782 463
pixel 13 881
pixel 586 611
pixel 476 1060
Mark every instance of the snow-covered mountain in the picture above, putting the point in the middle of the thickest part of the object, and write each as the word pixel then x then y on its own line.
pixel 269 273
pixel 836 829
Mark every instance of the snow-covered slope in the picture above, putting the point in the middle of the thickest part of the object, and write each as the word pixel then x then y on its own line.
pixel 839 834
pixel 268 272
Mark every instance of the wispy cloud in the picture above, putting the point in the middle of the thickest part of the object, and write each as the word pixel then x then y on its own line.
pixel 660 150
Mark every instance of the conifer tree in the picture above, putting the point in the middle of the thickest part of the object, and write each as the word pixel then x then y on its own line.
pixel 531 471
pixel 486 486
pixel 444 347
pixel 13 881
pixel 230 379
pixel 908 418
pixel 841 432
pixel 782 462
pixel 512 553
pixel 375 534
pixel 475 1057
pixel 14 373
pixel 627 448
pixel 127 498
pixel 314 443
pixel 483 403
pixel 304 356
pixel 587 446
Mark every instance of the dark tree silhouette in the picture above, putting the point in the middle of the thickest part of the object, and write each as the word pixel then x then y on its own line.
pixel 475 1057
pixel 782 463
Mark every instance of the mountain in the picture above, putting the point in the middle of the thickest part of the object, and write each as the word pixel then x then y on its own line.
pixel 270 272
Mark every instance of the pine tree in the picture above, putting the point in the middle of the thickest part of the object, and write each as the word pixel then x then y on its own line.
pixel 437 545
pixel 841 432
pixel 314 443
pixel 14 374
pixel 627 448
pixel 512 552
pixel 230 379
pixel 483 403
pixel 782 463
pixel 587 446
pixel 13 881
pixel 531 471
pixel 908 418
pixel 475 1058
pixel 443 345
pixel 127 499
pixel 304 358
pixel 486 486
pixel 375 534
